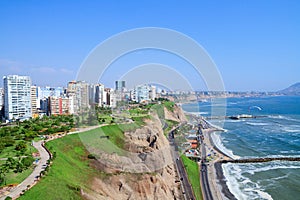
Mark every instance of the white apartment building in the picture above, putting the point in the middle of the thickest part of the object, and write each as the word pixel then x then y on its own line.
pixel 17 98
pixel 140 93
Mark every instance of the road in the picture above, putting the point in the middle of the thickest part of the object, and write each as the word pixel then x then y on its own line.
pixel 186 186
pixel 204 177
pixel 31 179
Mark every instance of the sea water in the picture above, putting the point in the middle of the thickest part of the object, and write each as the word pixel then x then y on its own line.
pixel 275 134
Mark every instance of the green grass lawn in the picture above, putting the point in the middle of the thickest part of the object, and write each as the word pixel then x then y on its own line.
pixel 11 152
pixel 70 171
pixel 16 178
pixel 192 170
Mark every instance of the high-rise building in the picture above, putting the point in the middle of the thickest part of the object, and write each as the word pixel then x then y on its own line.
pixel 140 93
pixel 58 105
pixel 82 96
pixel 71 90
pixel 152 92
pixel 45 92
pixel 1 102
pixel 17 101
pixel 80 91
pixel 96 94
pixel 120 86
pixel 44 106
pixel 33 96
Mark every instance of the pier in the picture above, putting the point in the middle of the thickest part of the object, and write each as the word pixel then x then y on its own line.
pixel 260 160
pixel 235 117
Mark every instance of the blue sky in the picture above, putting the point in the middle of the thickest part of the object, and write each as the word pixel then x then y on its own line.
pixel 255 44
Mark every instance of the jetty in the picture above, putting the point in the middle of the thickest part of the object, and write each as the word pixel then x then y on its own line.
pixel 235 117
pixel 260 160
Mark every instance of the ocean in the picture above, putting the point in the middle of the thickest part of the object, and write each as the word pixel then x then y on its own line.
pixel 276 134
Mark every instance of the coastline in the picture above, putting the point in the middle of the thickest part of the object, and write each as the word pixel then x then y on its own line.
pixel 217 180
pixel 222 181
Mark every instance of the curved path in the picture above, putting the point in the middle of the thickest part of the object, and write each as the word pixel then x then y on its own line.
pixel 32 178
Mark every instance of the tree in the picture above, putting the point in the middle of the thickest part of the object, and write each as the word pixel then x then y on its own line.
pixel 3 170
pixel 8 141
pixel 2 146
pixel 27 162
pixel 30 135
pixel 21 146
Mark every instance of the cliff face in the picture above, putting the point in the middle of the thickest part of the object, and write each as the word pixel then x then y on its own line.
pixel 136 186
pixel 147 170
pixel 175 115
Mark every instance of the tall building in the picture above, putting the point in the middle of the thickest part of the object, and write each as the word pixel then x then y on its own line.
pixel 1 102
pixel 71 90
pixel 140 93
pixel 58 105
pixel 44 106
pixel 17 101
pixel 82 96
pixel 33 96
pixel 96 93
pixel 80 92
pixel 120 86
pixel 45 92
pixel 152 92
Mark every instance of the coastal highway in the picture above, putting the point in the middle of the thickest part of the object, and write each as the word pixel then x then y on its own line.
pixel 186 186
pixel 204 176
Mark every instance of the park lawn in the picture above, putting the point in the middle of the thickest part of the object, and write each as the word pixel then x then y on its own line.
pixel 17 178
pixel 11 152
pixel 69 172
pixel 96 141
pixel 192 170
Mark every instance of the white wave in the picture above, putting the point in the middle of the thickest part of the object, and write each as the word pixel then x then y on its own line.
pixel 216 138
pixel 281 177
pixel 283 117
pixel 198 113
pixel 290 151
pixel 257 124
pixel 267 168
pixel 240 186
pixel 289 129
pixel 264 195
pixel 277 117
pixel 235 121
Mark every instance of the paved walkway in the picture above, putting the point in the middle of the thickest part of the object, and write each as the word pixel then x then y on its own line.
pixel 14 157
pixel 31 179
pixel 44 156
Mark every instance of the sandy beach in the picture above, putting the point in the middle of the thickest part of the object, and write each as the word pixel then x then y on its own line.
pixel 217 180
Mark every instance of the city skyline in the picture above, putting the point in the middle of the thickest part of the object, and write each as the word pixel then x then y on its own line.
pixel 254 44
